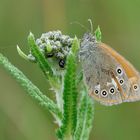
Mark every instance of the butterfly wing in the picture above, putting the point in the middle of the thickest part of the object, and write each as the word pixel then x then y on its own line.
pixel 132 74
pixel 102 73
pixel 134 94
pixel 127 66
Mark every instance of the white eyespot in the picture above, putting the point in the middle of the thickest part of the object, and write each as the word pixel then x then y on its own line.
pixel 96 91
pixel 104 93
pixel 119 71
pixel 135 87
pixel 121 81
pixel 112 90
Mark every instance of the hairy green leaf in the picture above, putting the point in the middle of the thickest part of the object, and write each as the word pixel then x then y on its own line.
pixel 39 56
pixel 42 61
pixel 85 117
pixel 75 45
pixel 69 96
pixel 31 89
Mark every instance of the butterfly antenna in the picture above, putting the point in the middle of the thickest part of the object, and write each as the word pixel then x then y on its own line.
pixel 91 25
pixel 76 22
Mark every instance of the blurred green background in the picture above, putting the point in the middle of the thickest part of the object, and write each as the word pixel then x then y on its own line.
pixel 23 119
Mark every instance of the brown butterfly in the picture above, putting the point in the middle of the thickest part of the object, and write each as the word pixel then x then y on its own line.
pixel 110 77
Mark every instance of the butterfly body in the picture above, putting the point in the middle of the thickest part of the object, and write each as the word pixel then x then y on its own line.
pixel 111 79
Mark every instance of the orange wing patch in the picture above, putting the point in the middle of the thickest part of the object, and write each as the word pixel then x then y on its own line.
pixel 129 69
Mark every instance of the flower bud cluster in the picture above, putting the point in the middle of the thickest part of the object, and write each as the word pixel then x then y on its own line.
pixel 54 44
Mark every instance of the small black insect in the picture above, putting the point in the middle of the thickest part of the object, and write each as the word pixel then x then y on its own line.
pixel 49 55
pixel 62 63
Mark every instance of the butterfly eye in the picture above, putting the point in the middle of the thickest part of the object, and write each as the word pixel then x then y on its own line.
pixel 112 90
pixel 135 87
pixel 121 81
pixel 104 93
pixel 119 71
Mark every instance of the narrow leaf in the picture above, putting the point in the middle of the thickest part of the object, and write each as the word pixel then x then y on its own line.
pixel 69 96
pixel 79 77
pixel 22 54
pixel 39 56
pixel 31 89
pixel 98 34
pixel 85 118
pixel 75 45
